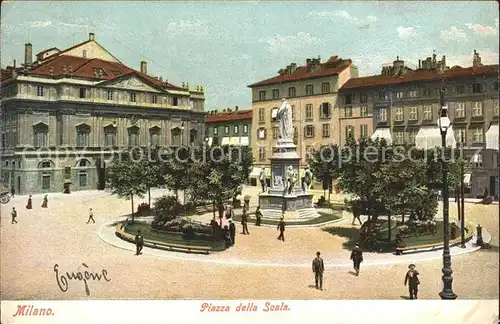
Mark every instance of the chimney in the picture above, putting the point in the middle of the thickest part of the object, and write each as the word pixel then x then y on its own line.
pixel 236 108
pixel 419 64
pixel 28 54
pixel 91 36
pixel 144 67
pixel 14 63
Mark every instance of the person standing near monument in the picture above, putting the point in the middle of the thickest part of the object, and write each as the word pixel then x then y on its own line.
pixel 14 215
pixel 139 242
pixel 230 212
pixel 244 222
pixel 232 231
pixel 12 191
pixel 262 178
pixel 318 268
pixel 281 228
pixel 258 216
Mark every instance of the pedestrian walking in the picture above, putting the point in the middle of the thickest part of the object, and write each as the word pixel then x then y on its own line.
pixel 139 242
pixel 258 216
pixel 318 267
pixel 262 178
pixel 227 236
pixel 356 214
pixel 244 222
pixel 12 191
pixel 45 202
pixel 411 279
pixel 281 228
pixel 229 212
pixel 14 215
pixel 357 258
pixel 91 216
pixel 29 205
pixel 232 231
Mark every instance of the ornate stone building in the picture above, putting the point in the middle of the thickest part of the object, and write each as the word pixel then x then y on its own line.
pixel 312 92
pixel 402 106
pixel 65 114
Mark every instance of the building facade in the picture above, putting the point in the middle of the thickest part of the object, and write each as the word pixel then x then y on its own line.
pixel 312 91
pixel 403 106
pixel 65 114
pixel 229 127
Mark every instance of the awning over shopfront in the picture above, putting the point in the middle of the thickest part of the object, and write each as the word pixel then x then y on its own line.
pixel 492 137
pixel 244 141
pixel 225 141
pixel 383 133
pixel 235 141
pixel 429 137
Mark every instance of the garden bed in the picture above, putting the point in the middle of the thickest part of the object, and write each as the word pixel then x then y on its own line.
pixel 323 218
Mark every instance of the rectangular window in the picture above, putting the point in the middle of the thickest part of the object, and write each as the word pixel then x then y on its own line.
pixel 363 111
pixel 175 101
pixel 413 115
pixel 309 90
pixel 363 131
pixel 83 93
pixel 245 129
pixel 427 92
pixel 349 99
pixel 478 135
pixel 412 135
pixel 399 94
pixel 363 98
pixel 274 114
pixel 477 88
pixel 325 110
pixel 262 95
pixel 40 138
pixel 40 91
pixel 261 115
pixel 133 139
pixel 82 139
pixel 309 131
pixel 460 109
pixel 216 130
pixel 261 133
pixel 226 130
pixel 46 181
pixel 413 93
pixel 349 132
pixel 347 111
pixel 460 89
pixel 82 178
pixel 382 115
pixel 292 92
pixel 399 114
pixel 110 138
pixel 154 139
pixel 459 134
pixel 383 95
pixel 110 95
pixel 398 138
pixel 133 97
pixel 325 87
pixel 428 112
pixel 262 153
pixel 154 99
pixel 275 132
pixel 326 130
pixel 477 109
pixel 236 129
pixel 309 111
pixel 276 93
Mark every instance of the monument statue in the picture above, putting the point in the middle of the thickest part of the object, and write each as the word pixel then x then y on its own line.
pixel 307 179
pixel 291 178
pixel 284 116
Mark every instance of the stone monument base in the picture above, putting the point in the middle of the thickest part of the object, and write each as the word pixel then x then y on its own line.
pixel 297 207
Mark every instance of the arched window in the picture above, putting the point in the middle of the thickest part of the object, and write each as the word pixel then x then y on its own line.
pixel 46 174
pixel 176 136
pixel 40 132
pixel 82 135
pixel 110 135
pixel 133 136
pixel 193 136
pixel 154 136
pixel 83 163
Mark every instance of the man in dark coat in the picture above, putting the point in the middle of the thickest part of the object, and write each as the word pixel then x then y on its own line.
pixel 281 228
pixel 356 213
pixel 258 216
pixel 13 191
pixel 91 216
pixel 14 215
pixel 318 268
pixel 139 242
pixel 227 236
pixel 232 231
pixel 411 279
pixel 357 258
pixel 244 221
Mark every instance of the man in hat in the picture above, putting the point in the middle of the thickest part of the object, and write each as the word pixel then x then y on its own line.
pixel 357 258
pixel 411 279
pixel 258 216
pixel 244 222
pixel 281 228
pixel 14 215
pixel 139 242
pixel 91 216
pixel 232 231
pixel 318 268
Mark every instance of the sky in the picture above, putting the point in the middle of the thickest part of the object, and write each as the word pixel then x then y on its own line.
pixel 226 46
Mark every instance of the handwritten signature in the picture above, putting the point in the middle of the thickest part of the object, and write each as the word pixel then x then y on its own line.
pixel 62 280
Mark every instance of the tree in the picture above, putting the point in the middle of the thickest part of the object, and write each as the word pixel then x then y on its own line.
pixel 153 177
pixel 126 178
pixel 175 171
pixel 325 164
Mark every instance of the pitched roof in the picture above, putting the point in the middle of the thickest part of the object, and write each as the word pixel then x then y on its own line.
pixel 227 116
pixel 87 68
pixel 301 73
pixel 419 75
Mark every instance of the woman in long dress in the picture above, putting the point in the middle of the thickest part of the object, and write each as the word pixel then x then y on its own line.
pixel 29 205
pixel 45 202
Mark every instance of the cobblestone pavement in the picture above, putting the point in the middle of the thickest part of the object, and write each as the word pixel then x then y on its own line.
pixel 60 235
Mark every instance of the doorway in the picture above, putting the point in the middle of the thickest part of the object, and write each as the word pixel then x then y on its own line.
pixel 101 174
pixel 18 185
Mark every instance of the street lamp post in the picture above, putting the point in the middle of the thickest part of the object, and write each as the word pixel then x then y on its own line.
pixel 444 124
pixel 462 194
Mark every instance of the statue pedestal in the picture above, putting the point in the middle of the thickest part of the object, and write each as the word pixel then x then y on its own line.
pixel 297 205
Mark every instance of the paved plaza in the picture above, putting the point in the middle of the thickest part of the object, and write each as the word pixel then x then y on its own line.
pixel 257 267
